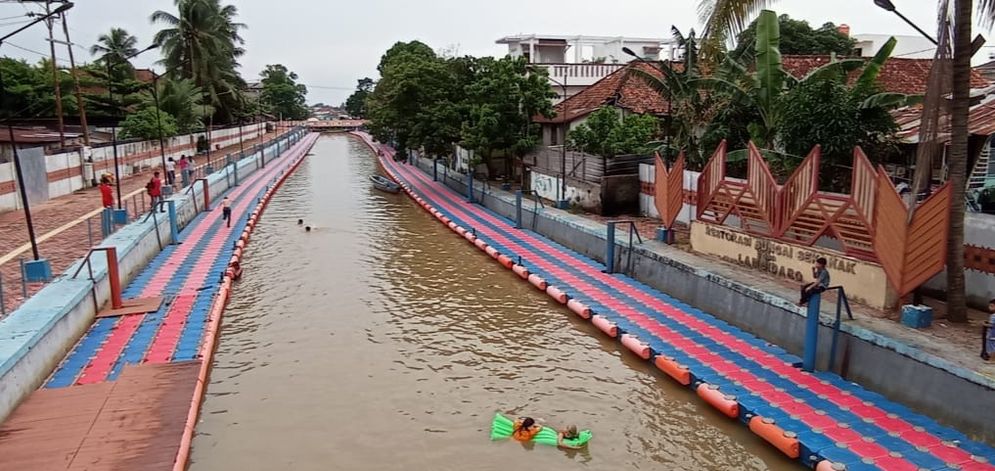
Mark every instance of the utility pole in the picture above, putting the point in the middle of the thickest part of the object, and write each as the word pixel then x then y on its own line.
pixel 76 87
pixel 55 74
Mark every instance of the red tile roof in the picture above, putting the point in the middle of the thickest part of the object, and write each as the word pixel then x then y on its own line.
pixel 981 122
pixel 620 89
pixel 899 75
pixel 627 91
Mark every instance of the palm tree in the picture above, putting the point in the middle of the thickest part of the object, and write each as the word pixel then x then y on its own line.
pixel 725 19
pixel 115 46
pixel 202 43
pixel 180 98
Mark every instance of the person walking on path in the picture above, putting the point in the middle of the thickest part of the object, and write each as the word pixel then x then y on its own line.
pixel 106 193
pixel 184 166
pixel 821 283
pixel 154 189
pixel 226 211
pixel 170 172
pixel 107 202
pixel 989 338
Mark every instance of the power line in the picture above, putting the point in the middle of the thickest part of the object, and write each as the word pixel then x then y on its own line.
pixel 43 54
pixel 328 87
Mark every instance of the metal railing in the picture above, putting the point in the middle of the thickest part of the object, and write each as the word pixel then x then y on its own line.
pixel 536 203
pixel 842 302
pixel 112 275
pixel 610 246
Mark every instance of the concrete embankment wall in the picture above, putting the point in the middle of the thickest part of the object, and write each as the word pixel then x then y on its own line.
pixel 64 171
pixel 35 337
pixel 901 372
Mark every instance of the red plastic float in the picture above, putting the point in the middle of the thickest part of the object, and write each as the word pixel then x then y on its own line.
pixel 505 261
pixel 480 244
pixel 538 282
pixel 579 308
pixel 521 271
pixel 787 442
pixel 675 370
pixel 557 294
pixel 461 231
pixel 470 237
pixel 726 404
pixel 635 345
pixel 605 325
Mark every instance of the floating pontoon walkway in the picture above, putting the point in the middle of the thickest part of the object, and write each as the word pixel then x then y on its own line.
pixel 817 418
pixel 127 395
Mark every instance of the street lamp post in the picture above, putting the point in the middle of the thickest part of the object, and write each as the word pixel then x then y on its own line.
pixel 886 5
pixel 110 97
pixel 158 119
pixel 38 269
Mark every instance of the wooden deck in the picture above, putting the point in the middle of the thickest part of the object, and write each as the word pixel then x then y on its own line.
pixel 134 423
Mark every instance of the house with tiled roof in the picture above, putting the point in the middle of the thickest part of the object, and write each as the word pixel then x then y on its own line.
pixel 631 94
pixel 627 92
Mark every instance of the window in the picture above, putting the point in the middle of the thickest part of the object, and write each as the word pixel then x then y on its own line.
pixel 554 136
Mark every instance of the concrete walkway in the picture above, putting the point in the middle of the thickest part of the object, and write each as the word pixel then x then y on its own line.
pixel 61 225
pixel 128 391
pixel 958 345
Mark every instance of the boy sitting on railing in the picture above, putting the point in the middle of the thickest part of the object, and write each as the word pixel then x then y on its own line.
pixel 821 283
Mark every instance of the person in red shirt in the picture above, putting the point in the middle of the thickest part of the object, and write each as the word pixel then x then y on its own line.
pixel 154 189
pixel 106 193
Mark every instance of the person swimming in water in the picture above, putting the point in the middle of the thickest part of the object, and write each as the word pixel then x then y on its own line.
pixel 525 429
pixel 300 222
pixel 307 228
pixel 569 433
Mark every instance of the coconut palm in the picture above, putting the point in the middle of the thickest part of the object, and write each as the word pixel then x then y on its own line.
pixel 115 46
pixel 202 42
pixel 181 98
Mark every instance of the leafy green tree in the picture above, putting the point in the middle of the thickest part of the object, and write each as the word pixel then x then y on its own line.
pixel 767 90
pixel 26 88
pixel 502 98
pixel 355 105
pixel 144 125
pixel 798 38
pixel 415 103
pixel 604 133
pixel 413 48
pixel 282 94
pixel 838 118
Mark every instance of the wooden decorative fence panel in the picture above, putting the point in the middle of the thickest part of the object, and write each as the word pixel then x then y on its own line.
pixel 891 231
pixel 926 243
pixel 710 185
pixel 759 205
pixel 669 190
pixel 870 223
pixel 800 223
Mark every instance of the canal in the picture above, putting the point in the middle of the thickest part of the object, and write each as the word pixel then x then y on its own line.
pixel 382 341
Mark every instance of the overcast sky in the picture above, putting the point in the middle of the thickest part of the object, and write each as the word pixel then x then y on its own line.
pixel 332 43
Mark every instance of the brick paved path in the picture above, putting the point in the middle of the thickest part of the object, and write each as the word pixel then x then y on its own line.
pixel 71 244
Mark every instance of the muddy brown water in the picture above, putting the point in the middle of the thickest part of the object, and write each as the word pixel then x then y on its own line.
pixel 381 341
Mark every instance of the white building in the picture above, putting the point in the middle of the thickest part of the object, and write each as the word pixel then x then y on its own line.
pixel 908 47
pixel 577 62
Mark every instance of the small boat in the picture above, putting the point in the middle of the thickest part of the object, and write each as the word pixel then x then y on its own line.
pixel 384 184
